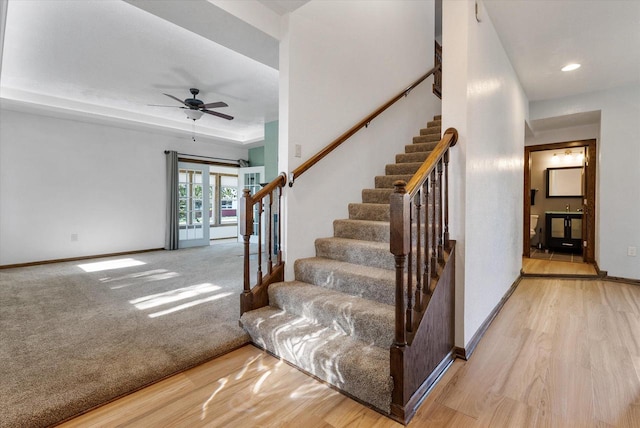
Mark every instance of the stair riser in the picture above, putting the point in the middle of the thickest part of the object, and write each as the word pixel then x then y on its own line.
pixel 375 231
pixel 426 139
pixel 386 181
pixel 420 147
pixel 352 253
pixel 378 286
pixel 373 324
pixel 375 212
pixel 431 130
pixel 434 123
pixel 376 196
pixel 402 169
pixel 412 157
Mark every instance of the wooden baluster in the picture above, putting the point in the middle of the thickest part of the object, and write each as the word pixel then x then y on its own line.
pixel 418 298
pixel 433 228
pixel 259 213
pixel 409 316
pixel 447 243
pixel 440 240
pixel 399 246
pixel 279 240
pixel 270 232
pixel 426 275
pixel 246 228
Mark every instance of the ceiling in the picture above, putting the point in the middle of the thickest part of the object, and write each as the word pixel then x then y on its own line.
pixel 542 36
pixel 114 58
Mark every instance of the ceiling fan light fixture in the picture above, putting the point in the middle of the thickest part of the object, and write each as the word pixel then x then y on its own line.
pixel 194 114
pixel 571 67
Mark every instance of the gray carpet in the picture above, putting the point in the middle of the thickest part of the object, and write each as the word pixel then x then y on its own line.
pixel 71 339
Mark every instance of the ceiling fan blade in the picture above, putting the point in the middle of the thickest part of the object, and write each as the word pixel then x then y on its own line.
pixel 177 99
pixel 215 113
pixel 214 105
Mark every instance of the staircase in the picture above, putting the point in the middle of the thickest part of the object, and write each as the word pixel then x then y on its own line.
pixel 336 320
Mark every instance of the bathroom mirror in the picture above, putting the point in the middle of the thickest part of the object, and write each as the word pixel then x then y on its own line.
pixel 564 182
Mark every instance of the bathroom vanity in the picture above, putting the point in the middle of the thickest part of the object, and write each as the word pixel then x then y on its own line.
pixel 564 231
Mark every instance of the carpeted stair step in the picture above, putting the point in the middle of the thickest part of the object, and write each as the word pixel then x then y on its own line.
pixel 376 212
pixel 430 130
pixel 365 230
pixel 426 138
pixel 412 157
pixel 362 319
pixel 357 280
pixel 386 181
pixel 435 122
pixel 376 196
pixel 402 169
pixel 358 368
pixel 420 147
pixel 375 254
pixel 437 117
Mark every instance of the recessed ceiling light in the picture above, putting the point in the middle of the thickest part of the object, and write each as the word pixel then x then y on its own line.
pixel 570 67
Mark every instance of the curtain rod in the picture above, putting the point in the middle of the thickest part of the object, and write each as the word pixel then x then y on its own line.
pixel 206 157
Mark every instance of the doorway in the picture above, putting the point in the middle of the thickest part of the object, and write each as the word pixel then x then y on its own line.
pixel 562 210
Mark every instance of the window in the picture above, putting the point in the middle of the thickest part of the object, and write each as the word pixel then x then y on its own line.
pixel 223 193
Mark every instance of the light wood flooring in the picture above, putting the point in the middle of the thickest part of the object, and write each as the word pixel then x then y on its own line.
pixel 561 353
pixel 552 267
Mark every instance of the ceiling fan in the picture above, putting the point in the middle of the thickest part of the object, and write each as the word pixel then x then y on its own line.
pixel 195 107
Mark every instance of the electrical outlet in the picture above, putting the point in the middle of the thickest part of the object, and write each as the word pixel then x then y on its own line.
pixel 74 237
pixel 298 151
pixel 632 252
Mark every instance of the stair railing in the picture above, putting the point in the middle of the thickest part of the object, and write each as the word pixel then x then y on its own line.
pixel 362 124
pixel 419 241
pixel 260 217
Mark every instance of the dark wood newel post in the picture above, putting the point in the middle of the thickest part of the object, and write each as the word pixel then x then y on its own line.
pixel 246 228
pixel 399 244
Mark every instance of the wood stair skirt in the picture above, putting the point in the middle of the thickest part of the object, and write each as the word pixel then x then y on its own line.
pixel 336 320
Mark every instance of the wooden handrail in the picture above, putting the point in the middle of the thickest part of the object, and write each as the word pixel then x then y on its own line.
pixel 279 181
pixel 363 123
pixel 449 139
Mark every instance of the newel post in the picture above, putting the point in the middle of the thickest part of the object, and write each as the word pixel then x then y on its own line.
pixel 399 217
pixel 246 229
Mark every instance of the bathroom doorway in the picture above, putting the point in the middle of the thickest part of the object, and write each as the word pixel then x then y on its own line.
pixel 559 201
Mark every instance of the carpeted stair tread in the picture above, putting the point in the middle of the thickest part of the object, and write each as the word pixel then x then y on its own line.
pixel 386 181
pixel 362 319
pixel 358 368
pixel 366 230
pixel 376 212
pixel 420 147
pixel 402 168
pixel 376 196
pixel 429 130
pixel 412 157
pixel 437 122
pixel 430 138
pixel 375 254
pixel 362 281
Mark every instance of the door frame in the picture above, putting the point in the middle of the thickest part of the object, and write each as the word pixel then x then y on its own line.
pixel 589 200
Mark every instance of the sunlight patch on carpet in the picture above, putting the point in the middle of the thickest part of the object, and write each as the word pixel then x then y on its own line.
pixel 110 264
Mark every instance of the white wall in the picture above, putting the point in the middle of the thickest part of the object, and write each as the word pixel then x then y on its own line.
pixel 617 175
pixel 60 176
pixel 332 74
pixel 484 100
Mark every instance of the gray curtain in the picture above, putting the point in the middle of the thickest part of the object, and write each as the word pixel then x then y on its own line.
pixel 172 232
